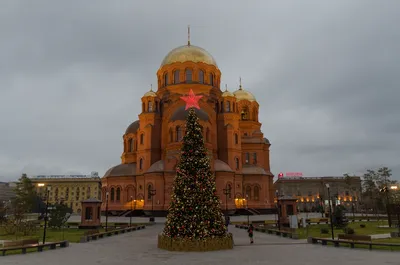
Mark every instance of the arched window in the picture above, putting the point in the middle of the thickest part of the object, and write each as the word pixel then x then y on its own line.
pixel 247 158
pixel 207 135
pixel 248 192
pixel 130 145
pixel 141 164
pixel 227 106
pixel 112 194
pixel 118 194
pixel 176 77
pixel 178 134
pixel 233 106
pixel 142 138
pixel 149 192
pixel 188 76
pixel 130 194
pixel 237 163
pixel 256 193
pixel 201 76
pixel 254 158
pixel 143 107
pixel 166 79
pixel 236 138
pixel 245 113
pixel 211 79
pixel 229 187
pixel 150 106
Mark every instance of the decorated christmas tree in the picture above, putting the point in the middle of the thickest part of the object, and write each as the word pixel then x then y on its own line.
pixel 194 212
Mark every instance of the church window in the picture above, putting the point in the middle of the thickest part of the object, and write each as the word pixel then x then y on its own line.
pixel 236 138
pixel 131 145
pixel 245 113
pixel 254 158
pixel 201 76
pixel 141 164
pixel 143 107
pixel 176 77
pixel 112 194
pixel 211 79
pixel 256 193
pixel 247 158
pixel 156 106
pixel 142 138
pixel 237 163
pixel 229 187
pixel 208 135
pixel 150 106
pixel 248 192
pixel 166 79
pixel 233 106
pixel 228 106
pixel 188 75
pixel 118 194
pixel 178 134
pixel 217 107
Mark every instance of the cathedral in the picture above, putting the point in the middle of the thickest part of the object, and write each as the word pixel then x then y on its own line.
pixel 238 151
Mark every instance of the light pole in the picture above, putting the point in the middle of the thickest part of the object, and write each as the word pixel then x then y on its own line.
pixel 247 209
pixel 330 210
pixel 46 213
pixel 152 194
pixel 278 209
pixel 227 191
pixel 107 211
pixel 130 216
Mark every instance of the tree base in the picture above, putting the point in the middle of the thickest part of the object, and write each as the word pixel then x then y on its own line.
pixel 210 244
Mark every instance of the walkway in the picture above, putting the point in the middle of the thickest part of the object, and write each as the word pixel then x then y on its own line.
pixel 140 247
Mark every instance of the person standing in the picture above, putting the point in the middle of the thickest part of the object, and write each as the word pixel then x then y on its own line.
pixel 250 232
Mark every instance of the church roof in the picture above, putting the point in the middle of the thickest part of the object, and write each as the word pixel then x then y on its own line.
pixel 156 167
pixel 220 165
pixel 121 170
pixel 133 127
pixel 181 114
pixel 189 53
pixel 253 170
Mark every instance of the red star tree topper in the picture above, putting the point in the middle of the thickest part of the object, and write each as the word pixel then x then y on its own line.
pixel 191 100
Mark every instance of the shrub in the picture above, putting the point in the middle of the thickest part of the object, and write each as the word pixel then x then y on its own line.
pixel 348 231
pixel 324 231
pixel 362 225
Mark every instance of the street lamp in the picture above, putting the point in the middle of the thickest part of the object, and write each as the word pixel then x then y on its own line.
pixel 330 209
pixel 130 216
pixel 107 211
pixel 227 191
pixel 46 213
pixel 278 209
pixel 152 194
pixel 247 209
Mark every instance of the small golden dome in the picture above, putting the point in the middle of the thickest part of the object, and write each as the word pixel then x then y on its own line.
pixel 227 93
pixel 242 94
pixel 189 53
pixel 150 93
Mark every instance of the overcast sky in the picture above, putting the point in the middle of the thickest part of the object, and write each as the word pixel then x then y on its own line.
pixel 326 75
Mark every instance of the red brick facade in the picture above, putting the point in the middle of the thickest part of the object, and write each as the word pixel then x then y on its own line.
pixel 238 150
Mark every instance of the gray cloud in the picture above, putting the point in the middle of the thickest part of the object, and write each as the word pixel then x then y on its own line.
pixel 325 75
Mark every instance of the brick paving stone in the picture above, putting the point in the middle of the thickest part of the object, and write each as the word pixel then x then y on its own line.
pixel 140 247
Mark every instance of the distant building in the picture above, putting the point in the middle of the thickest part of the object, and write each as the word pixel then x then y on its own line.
pixel 69 189
pixel 311 192
pixel 6 191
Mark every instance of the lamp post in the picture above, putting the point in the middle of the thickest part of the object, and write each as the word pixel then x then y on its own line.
pixel 247 208
pixel 107 211
pixel 46 213
pixel 152 194
pixel 130 216
pixel 227 191
pixel 330 209
pixel 278 209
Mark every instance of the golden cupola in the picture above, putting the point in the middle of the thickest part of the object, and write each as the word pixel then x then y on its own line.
pixel 242 94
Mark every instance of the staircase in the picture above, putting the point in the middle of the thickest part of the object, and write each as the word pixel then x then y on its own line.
pixel 124 213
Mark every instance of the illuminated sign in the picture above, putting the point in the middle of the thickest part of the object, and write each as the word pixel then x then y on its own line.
pixel 294 174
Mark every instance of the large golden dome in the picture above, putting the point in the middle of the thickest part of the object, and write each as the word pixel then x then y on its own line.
pixel 242 94
pixel 189 53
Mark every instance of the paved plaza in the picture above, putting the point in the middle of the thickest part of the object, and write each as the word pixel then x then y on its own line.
pixel 140 247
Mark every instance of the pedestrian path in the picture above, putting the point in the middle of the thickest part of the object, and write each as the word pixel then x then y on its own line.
pixel 140 247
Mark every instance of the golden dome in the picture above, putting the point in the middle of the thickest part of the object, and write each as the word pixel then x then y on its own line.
pixel 227 93
pixel 242 94
pixel 189 53
pixel 150 93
